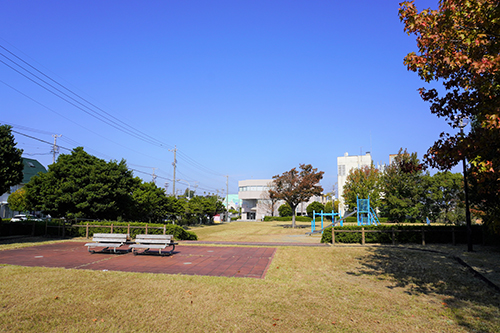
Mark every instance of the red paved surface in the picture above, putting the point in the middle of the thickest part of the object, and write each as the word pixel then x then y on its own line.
pixel 190 260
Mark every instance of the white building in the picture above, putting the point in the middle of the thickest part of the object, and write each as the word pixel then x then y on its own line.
pixel 255 203
pixel 345 164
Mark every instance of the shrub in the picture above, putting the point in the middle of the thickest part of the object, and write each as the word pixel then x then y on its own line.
pixel 285 210
pixel 316 206
pixel 121 227
pixel 403 234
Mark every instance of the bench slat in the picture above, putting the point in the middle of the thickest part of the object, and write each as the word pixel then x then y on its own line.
pixel 141 236
pixel 117 240
pixel 121 236
pixel 153 241
pixel 104 244
pixel 148 246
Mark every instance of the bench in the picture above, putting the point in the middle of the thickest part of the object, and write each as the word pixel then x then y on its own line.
pixel 108 241
pixel 148 242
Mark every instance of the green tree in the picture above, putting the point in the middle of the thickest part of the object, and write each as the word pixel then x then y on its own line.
pixel 403 189
pixel 17 200
pixel 84 186
pixel 11 163
pixel 203 208
pixel 459 45
pixel 362 183
pixel 444 197
pixel 295 186
pixel 212 205
pixel 150 203
pixel 285 210
pixel 175 208
pixel 329 207
pixel 316 206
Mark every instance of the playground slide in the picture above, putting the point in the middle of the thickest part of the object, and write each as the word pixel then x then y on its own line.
pixel 333 223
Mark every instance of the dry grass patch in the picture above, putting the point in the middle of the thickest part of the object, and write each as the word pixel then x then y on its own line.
pixel 345 289
pixel 255 232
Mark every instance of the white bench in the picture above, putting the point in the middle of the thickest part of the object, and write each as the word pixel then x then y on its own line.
pixel 108 241
pixel 148 242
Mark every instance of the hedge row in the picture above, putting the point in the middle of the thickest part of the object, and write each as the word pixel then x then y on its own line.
pixel 121 227
pixel 55 229
pixel 404 234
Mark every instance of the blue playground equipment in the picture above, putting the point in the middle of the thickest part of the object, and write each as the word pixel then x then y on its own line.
pixel 339 222
pixel 366 214
pixel 332 214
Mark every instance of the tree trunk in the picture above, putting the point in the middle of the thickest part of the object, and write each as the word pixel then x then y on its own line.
pixel 293 220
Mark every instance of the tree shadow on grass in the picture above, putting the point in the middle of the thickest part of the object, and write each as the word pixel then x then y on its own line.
pixel 468 300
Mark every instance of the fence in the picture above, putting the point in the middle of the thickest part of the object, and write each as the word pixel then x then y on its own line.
pixel 112 227
pixel 60 228
pixel 393 232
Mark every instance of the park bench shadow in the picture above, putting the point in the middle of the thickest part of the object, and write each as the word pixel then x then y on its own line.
pixel 434 273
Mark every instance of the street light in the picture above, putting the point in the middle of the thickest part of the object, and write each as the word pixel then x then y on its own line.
pixel 463 122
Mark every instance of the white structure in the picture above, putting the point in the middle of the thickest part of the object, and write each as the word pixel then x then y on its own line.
pixel 255 203
pixel 345 164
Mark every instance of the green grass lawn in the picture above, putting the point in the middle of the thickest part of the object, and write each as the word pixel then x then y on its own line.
pixel 332 289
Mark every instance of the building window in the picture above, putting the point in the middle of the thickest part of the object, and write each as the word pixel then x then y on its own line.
pixel 341 170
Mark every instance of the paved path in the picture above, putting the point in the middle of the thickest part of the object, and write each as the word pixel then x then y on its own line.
pixel 250 262
pixel 258 243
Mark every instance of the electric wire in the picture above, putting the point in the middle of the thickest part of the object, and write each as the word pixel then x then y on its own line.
pixel 106 118
pixel 32 137
pixel 76 123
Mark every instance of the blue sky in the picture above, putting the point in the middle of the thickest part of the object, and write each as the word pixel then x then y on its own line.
pixel 247 89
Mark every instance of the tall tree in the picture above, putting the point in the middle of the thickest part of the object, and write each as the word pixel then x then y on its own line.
pixel 150 203
pixel 363 183
pixel 84 186
pixel 11 163
pixel 296 186
pixel 444 197
pixel 402 188
pixel 460 44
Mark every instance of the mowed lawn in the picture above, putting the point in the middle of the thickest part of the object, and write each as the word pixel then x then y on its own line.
pixel 318 289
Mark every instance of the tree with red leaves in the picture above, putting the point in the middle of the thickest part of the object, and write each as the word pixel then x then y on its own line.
pixel 460 44
pixel 296 186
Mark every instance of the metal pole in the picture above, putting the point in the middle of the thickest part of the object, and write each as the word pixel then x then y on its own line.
pixel 55 148
pixel 467 211
pixel 174 165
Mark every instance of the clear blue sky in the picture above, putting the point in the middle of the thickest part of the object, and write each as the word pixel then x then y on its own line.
pixel 248 89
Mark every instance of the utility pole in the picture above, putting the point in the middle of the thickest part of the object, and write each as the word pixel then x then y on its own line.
pixel 154 176
pixel 175 165
pixel 55 148
pixel 227 198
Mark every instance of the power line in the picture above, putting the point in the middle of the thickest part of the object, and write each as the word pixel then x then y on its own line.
pixel 74 122
pixel 100 114
pixel 32 137
pixel 86 106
